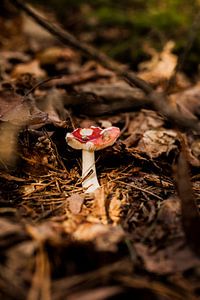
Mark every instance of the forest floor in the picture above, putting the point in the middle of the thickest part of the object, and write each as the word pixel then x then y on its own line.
pixel 135 237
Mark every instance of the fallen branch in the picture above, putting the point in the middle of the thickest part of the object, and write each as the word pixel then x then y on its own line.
pixel 157 101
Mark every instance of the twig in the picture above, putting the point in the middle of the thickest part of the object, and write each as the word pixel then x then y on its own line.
pixel 155 286
pixel 41 83
pixel 127 120
pixel 140 189
pixel 156 101
pixel 190 214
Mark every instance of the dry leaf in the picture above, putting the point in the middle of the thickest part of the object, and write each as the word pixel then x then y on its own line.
pixel 8 101
pixel 157 142
pixel 140 123
pixel 115 207
pixel 75 203
pixel 52 104
pixel 174 258
pixel 32 67
pixel 53 55
pixel 169 213
pixel 105 237
pixel 16 112
pixel 161 65
pixel 195 149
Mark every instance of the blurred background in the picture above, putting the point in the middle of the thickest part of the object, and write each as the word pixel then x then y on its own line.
pixel 127 29
pixel 124 29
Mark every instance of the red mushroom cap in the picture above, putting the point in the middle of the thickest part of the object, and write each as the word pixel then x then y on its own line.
pixel 93 138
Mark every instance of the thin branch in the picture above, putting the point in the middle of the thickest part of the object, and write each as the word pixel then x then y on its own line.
pixel 190 213
pixel 40 84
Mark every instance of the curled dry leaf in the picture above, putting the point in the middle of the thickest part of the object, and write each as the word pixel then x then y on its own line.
pixel 161 66
pixel 157 142
pixel 140 123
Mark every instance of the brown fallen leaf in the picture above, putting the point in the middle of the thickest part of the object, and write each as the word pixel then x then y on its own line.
pixel 14 117
pixel 8 100
pixel 157 142
pixel 174 258
pixel 192 147
pixel 8 143
pixel 53 55
pixel 104 237
pixel 195 149
pixel 52 104
pixel 26 113
pixel 6 58
pixel 169 213
pixel 161 65
pixel 75 203
pixel 99 208
pixel 145 120
pixel 115 207
pixel 46 231
pixel 32 67
pixel 141 122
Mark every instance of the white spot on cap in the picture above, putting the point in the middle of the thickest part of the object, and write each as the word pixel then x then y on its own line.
pixel 86 131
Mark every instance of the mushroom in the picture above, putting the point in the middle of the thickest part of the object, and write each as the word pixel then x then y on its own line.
pixel 90 140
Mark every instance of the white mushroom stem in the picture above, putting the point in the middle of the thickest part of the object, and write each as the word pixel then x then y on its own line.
pixel 90 183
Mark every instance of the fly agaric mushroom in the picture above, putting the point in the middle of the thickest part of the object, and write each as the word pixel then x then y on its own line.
pixel 90 140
